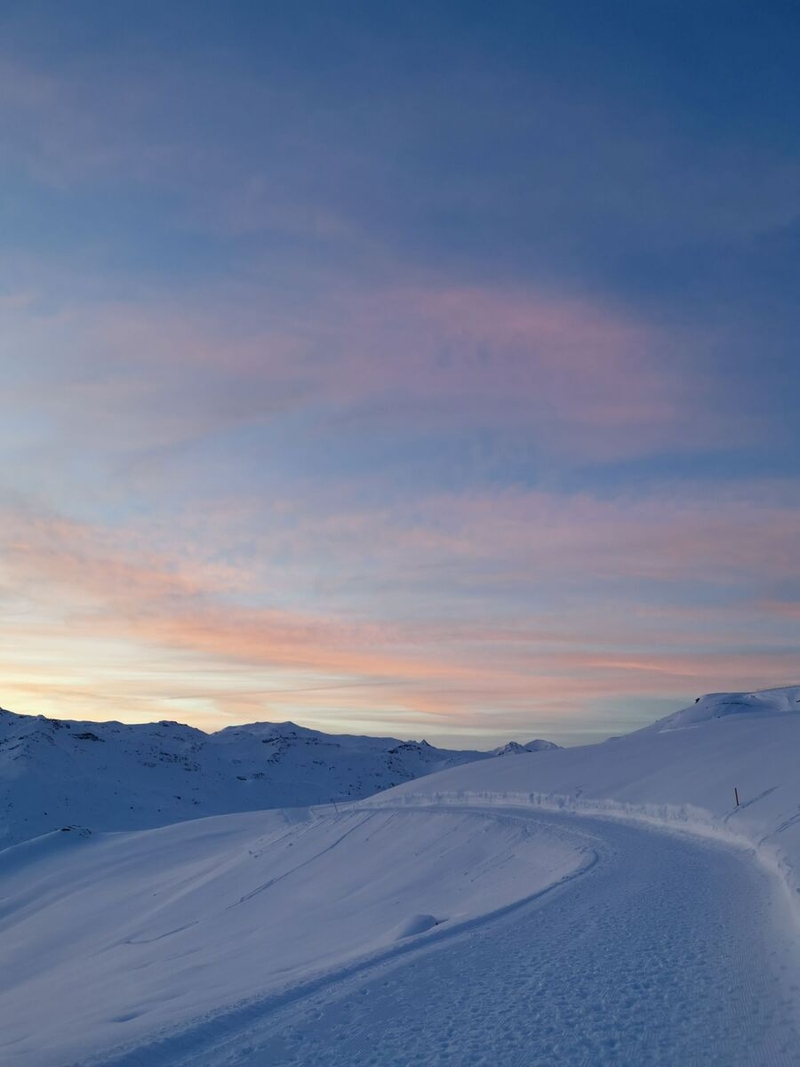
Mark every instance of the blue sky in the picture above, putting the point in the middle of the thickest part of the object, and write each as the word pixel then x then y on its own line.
pixel 427 370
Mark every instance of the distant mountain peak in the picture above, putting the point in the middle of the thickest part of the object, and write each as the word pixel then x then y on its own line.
pixel 513 748
pixel 118 776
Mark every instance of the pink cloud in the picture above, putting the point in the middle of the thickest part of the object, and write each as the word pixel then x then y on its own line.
pixel 712 535
pixel 571 370
pixel 580 377
pixel 787 609
pixel 113 626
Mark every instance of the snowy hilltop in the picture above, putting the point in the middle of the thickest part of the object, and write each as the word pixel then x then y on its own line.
pixel 114 776
pixel 762 702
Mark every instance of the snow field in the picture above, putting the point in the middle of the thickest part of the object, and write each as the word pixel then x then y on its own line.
pixel 108 941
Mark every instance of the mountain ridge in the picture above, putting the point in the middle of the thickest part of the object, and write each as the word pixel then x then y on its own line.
pixel 120 776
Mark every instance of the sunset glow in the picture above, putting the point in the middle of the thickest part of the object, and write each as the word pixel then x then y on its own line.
pixel 388 395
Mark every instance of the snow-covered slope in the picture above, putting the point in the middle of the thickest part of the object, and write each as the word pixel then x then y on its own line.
pixel 681 771
pixel 107 940
pixel 112 776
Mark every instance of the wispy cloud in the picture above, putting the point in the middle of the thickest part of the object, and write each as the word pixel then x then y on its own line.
pixel 339 379
pixel 442 657
pixel 575 377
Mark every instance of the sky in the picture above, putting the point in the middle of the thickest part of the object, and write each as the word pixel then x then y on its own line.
pixel 427 369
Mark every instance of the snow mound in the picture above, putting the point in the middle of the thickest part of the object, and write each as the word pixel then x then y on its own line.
pixel 415 924
pixel 719 705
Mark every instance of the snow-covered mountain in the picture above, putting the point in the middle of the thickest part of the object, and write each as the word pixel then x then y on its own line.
pixel 114 776
pixel 513 748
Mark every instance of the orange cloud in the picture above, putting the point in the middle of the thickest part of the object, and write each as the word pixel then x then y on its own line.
pixel 111 628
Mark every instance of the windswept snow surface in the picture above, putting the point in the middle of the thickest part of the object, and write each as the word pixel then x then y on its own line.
pixel 650 949
pixel 107 940
pixel 114 776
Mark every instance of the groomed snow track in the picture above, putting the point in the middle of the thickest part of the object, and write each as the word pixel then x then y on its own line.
pixel 668 951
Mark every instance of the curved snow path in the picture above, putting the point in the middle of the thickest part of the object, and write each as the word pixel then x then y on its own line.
pixel 667 951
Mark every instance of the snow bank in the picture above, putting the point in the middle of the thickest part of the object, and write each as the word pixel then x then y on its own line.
pixel 681 773
pixel 108 940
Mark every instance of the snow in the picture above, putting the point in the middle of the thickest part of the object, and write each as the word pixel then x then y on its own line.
pixel 113 776
pixel 717 705
pixel 515 749
pixel 537 908
pixel 664 952
pixel 680 772
pixel 106 940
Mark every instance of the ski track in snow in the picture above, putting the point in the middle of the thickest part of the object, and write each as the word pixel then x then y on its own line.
pixel 668 951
